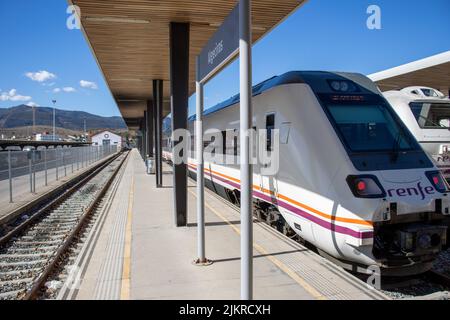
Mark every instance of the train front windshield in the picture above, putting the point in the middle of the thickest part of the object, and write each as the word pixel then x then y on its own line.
pixel 431 115
pixel 370 128
pixel 374 137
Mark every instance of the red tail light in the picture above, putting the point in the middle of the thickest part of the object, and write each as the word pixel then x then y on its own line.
pixel 365 186
pixel 437 181
pixel 361 186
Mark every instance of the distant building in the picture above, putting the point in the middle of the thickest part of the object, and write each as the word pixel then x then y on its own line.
pixel 106 138
pixel 47 137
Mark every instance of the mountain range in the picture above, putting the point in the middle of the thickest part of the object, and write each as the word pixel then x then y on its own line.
pixel 22 116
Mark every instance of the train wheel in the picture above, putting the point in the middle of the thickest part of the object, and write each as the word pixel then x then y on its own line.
pixel 271 218
pixel 260 216
pixel 288 231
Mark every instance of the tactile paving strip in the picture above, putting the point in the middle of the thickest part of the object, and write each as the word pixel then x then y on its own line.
pixel 108 285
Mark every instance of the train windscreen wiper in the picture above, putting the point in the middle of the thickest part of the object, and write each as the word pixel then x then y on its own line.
pixel 396 147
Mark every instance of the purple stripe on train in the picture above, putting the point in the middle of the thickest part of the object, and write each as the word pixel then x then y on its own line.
pixel 299 212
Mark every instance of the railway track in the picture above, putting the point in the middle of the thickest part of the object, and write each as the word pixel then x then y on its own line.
pixel 34 243
pixel 431 285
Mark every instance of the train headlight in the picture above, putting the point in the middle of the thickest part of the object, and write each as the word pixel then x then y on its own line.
pixel 437 181
pixel 343 86
pixel 365 186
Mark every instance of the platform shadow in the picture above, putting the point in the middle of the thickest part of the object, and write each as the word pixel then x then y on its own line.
pixel 259 255
pixel 212 224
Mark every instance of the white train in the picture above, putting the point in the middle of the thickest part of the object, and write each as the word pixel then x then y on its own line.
pixel 353 181
pixel 426 113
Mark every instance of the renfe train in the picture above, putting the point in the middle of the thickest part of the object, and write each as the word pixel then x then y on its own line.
pixel 352 180
pixel 426 112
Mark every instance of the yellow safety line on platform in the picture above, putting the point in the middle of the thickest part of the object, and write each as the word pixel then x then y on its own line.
pixel 126 269
pixel 302 282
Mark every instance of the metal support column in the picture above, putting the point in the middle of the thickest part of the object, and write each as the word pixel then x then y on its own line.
pixel 144 136
pixel 179 80
pixel 157 123
pixel 10 177
pixel 150 134
pixel 140 137
pixel 33 158
pixel 245 49
pixel 64 162
pixel 200 173
pixel 45 166
pixel 31 174
pixel 56 161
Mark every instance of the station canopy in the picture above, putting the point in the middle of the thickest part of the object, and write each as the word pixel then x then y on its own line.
pixel 130 40
pixel 431 72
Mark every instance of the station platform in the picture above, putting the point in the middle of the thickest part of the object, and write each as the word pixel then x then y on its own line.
pixel 140 254
pixel 23 199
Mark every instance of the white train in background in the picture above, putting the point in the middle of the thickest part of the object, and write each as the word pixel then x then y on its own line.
pixel 426 113
pixel 353 181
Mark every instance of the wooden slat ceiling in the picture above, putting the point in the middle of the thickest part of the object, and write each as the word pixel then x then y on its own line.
pixel 437 77
pixel 130 40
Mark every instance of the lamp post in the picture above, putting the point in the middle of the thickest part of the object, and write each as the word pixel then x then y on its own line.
pixel 54 118
pixel 33 137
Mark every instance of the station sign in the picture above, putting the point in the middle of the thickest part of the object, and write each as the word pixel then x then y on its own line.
pixel 221 47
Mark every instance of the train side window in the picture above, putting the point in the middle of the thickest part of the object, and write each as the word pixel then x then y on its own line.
pixel 285 129
pixel 224 142
pixel 270 125
pixel 212 141
pixel 255 140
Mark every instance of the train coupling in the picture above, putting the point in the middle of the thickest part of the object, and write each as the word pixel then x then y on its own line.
pixel 420 239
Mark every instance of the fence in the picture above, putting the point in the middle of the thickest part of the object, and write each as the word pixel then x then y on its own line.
pixel 24 172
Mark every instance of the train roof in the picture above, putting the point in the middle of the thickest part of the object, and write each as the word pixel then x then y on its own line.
pixel 312 78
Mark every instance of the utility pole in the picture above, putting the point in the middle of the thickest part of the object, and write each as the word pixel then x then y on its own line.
pixel 54 119
pixel 34 122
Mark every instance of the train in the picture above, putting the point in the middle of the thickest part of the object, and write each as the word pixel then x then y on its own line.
pixel 353 181
pixel 426 113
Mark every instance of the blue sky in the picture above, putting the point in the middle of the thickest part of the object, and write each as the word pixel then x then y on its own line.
pixel 322 35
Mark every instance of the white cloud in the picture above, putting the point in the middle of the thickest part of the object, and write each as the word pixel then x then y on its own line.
pixel 88 84
pixel 69 89
pixel 13 96
pixel 41 76
pixel 56 90
pixel 32 104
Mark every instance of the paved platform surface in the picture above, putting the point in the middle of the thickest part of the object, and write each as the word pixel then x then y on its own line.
pixel 140 254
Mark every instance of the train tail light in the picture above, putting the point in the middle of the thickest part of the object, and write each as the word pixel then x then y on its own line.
pixel 437 181
pixel 365 186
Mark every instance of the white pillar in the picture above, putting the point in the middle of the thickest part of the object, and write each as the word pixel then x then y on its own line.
pixel 245 49
pixel 200 173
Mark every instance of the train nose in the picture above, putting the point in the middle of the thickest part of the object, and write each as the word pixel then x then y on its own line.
pixel 399 177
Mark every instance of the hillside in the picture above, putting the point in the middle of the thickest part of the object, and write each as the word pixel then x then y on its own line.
pixel 22 116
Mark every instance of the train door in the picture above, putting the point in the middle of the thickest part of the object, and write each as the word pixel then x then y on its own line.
pixel 208 140
pixel 269 183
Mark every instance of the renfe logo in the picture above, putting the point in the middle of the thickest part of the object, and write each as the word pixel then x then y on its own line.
pixel 414 191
